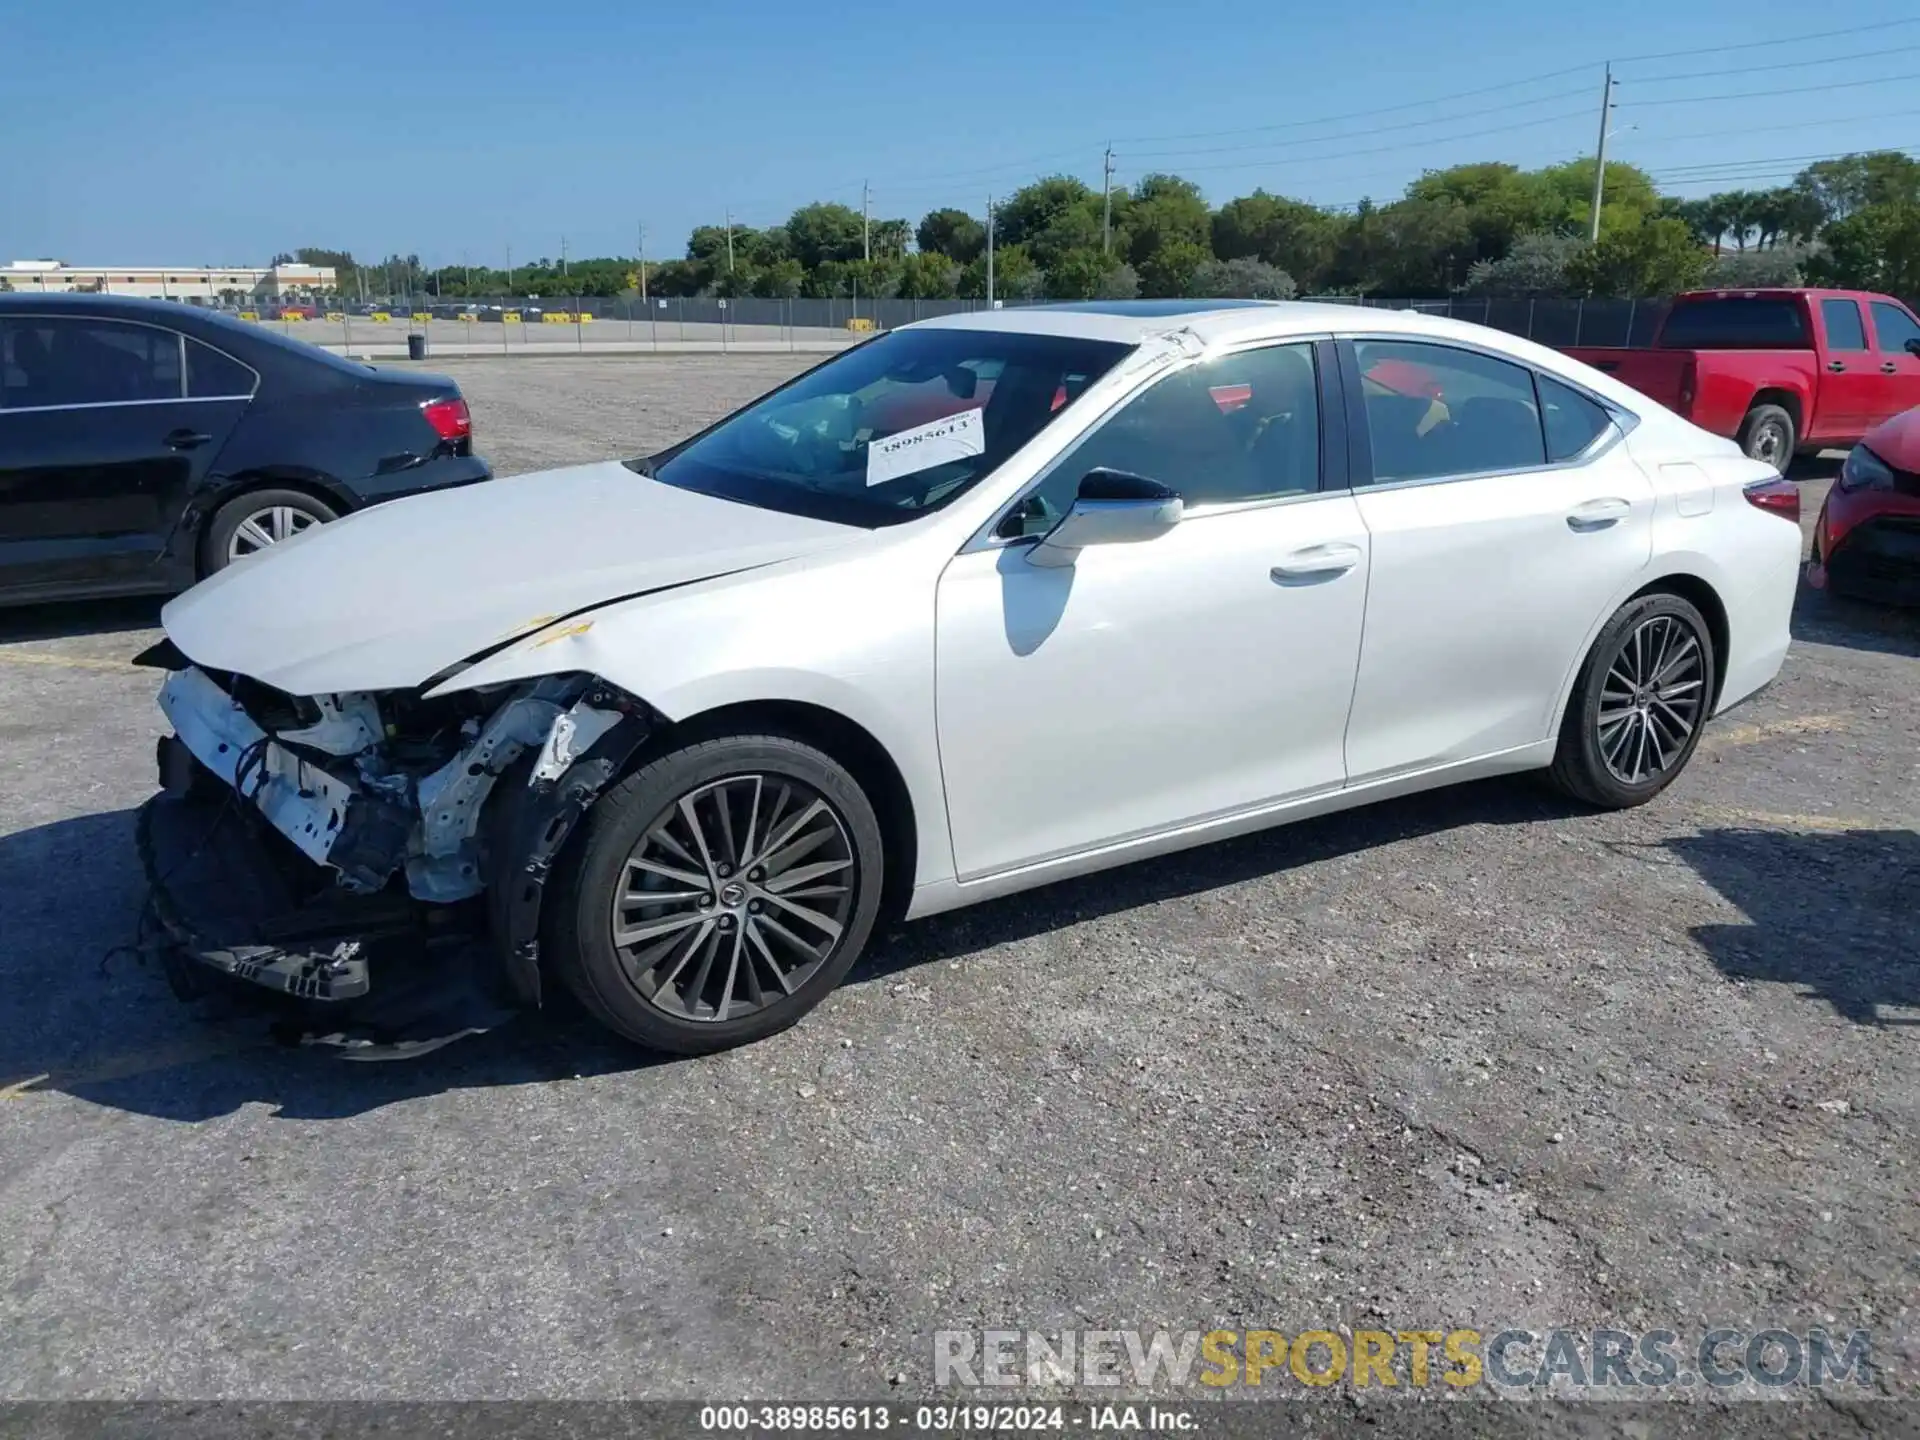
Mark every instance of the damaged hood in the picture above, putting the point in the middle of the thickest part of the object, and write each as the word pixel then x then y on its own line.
pixel 390 596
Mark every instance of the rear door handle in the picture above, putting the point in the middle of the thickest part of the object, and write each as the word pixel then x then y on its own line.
pixel 1887 367
pixel 186 439
pixel 1598 514
pixel 1335 558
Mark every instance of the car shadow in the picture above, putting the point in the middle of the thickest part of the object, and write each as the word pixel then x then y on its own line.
pixel 1508 800
pixel 1821 618
pixel 1831 911
pixel 82 1015
pixel 62 619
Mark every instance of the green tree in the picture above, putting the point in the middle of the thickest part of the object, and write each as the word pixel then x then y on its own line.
pixel 1015 276
pixel 1165 211
pixel 1535 264
pixel 1409 248
pixel 1173 269
pixel 1027 214
pixel 928 275
pixel 822 232
pixel 952 233
pixel 781 280
pixel 1877 247
pixel 890 237
pixel 1655 258
pixel 1297 237
pixel 1837 188
pixel 1772 265
pixel 1244 278
pixel 1080 274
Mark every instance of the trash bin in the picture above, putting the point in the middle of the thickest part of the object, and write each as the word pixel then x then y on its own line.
pixel 416 347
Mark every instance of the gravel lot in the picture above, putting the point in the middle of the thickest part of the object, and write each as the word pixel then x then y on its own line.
pixel 1470 1059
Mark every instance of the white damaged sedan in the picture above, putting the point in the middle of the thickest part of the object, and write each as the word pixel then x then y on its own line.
pixel 984 602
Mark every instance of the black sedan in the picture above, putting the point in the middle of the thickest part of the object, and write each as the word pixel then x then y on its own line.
pixel 144 444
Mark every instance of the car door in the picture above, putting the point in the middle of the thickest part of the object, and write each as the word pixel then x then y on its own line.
pixel 1162 684
pixel 1851 388
pixel 1894 331
pixel 1504 519
pixel 105 428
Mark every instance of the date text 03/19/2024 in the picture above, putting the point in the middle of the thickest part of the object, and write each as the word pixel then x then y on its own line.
pixel 942 1418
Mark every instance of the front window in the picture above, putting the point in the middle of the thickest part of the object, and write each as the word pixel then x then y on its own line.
pixel 893 429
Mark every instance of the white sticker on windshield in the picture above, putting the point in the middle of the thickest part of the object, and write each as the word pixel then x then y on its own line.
pixel 953 437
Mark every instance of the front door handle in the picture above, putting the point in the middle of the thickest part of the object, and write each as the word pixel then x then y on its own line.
pixel 1598 514
pixel 1836 366
pixel 1334 558
pixel 186 439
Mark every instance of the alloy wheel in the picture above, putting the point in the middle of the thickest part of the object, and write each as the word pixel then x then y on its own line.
pixel 268 526
pixel 1652 700
pixel 738 892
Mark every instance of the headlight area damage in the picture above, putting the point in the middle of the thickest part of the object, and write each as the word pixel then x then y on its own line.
pixel 378 860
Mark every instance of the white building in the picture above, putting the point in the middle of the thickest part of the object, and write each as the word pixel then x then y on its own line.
pixel 169 282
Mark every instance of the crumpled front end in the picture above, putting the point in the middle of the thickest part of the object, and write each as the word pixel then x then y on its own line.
pixel 360 850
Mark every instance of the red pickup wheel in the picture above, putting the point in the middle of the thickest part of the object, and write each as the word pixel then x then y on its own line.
pixel 1767 435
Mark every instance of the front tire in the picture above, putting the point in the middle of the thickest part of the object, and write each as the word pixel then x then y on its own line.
pixel 1639 704
pixel 719 893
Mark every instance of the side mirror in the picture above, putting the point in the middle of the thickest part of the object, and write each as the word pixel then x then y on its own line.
pixel 1913 346
pixel 1112 508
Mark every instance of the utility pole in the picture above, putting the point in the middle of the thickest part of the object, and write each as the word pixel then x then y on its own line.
pixel 1106 207
pixel 509 270
pixel 1600 154
pixel 866 225
pixel 989 252
pixel 729 242
pixel 563 257
pixel 643 264
pixel 467 265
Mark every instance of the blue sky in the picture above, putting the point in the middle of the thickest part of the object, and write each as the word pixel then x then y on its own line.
pixel 204 131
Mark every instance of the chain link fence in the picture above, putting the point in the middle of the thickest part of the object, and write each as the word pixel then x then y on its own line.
pixel 751 322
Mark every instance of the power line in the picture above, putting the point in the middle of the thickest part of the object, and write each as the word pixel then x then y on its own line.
pixel 1782 65
pixel 1382 149
pixel 1737 164
pixel 1762 44
pixel 1769 94
pixel 1357 114
pixel 1788 125
pixel 1377 130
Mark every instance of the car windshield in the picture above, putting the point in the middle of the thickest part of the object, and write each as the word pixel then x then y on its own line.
pixel 893 429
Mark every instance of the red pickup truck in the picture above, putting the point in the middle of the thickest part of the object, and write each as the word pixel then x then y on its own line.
pixel 1781 371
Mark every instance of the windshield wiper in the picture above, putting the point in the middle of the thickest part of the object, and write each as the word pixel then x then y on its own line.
pixel 642 466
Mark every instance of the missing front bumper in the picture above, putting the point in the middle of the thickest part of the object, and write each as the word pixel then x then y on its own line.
pixel 244 912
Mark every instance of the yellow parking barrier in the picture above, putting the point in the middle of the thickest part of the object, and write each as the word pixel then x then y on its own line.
pixel 466 318
pixel 511 317
pixel 584 318
pixel 249 314
pixel 556 317
pixel 860 322
pixel 291 315
pixel 380 317
pixel 336 316
pixel 422 317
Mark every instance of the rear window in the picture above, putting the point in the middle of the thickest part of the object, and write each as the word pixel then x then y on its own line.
pixel 1740 322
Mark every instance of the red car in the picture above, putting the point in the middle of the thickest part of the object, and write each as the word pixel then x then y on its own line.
pixel 1781 371
pixel 1867 541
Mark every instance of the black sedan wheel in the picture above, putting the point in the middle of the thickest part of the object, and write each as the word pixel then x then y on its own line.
pixel 1639 705
pixel 256 521
pixel 719 893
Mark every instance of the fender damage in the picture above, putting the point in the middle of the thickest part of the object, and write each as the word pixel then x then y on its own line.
pixel 374 864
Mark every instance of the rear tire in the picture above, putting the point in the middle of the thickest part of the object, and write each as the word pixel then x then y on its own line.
pixel 739 943
pixel 1768 435
pixel 1638 707
pixel 256 521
